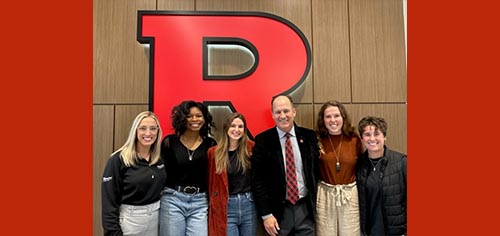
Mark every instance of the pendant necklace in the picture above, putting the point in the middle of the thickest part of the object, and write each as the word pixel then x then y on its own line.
pixel 337 155
pixel 374 165
pixel 190 153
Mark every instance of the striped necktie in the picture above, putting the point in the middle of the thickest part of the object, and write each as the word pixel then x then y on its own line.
pixel 292 189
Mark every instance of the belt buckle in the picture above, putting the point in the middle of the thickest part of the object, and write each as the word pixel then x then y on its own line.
pixel 190 190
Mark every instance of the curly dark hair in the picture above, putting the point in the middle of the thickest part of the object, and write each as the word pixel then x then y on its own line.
pixel 179 117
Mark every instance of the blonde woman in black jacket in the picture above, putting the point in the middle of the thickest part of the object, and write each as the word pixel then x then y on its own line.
pixel 132 181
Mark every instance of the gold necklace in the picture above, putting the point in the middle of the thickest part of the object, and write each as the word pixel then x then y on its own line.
pixel 337 156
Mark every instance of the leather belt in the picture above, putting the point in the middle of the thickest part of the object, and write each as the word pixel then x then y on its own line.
pixel 187 189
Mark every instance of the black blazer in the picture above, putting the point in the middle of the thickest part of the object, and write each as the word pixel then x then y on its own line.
pixel 268 171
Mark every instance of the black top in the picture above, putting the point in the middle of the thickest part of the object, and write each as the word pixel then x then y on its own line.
pixel 237 181
pixel 375 222
pixel 180 170
pixel 136 185
pixel 382 193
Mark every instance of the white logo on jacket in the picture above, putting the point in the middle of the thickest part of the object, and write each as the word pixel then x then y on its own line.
pixel 107 179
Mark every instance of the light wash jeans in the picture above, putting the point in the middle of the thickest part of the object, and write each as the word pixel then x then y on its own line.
pixel 241 215
pixel 139 220
pixel 183 214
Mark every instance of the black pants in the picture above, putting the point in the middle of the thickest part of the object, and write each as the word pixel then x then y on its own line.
pixel 297 220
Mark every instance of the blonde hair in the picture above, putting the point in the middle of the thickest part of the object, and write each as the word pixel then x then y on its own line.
pixel 129 150
pixel 221 151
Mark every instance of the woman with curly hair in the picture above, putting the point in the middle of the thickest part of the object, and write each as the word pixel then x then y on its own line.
pixel 184 204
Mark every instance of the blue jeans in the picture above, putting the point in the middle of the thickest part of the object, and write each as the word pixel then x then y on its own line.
pixel 183 214
pixel 241 215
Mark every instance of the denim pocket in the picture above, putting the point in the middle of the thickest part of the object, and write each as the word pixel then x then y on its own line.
pixel 168 191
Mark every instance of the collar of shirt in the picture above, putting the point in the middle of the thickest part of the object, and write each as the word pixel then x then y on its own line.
pixel 282 133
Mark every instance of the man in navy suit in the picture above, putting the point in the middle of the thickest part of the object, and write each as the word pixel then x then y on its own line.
pixel 285 210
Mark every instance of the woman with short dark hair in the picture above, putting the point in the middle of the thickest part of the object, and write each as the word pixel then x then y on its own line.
pixel 381 180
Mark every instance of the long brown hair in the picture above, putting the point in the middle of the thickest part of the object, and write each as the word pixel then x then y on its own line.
pixel 347 128
pixel 242 152
pixel 321 131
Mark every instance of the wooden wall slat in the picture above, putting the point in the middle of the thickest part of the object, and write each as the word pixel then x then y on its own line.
pixel 103 147
pixel 377 51
pixel 176 5
pixel 331 51
pixel 121 64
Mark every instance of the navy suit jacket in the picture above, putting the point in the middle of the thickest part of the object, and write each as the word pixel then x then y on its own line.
pixel 268 171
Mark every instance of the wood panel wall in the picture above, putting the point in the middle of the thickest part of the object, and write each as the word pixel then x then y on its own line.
pixel 358 58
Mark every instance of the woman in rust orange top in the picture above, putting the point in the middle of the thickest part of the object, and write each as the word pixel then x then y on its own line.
pixel 337 202
pixel 231 209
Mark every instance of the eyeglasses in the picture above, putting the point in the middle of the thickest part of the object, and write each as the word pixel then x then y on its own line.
pixel 153 129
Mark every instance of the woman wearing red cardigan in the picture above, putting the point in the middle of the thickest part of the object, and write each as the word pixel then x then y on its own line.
pixel 231 209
